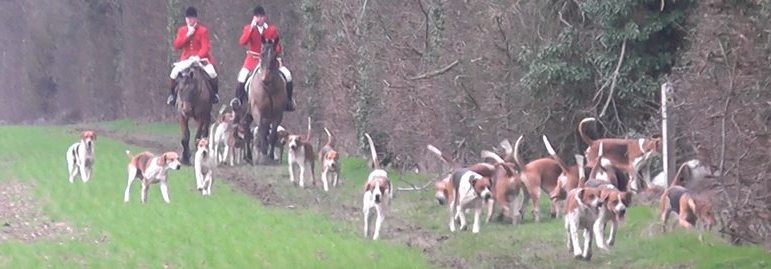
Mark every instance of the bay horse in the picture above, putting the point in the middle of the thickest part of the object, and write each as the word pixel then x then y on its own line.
pixel 267 100
pixel 193 93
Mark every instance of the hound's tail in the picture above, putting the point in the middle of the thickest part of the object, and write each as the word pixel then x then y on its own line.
pixel 676 180
pixel 554 155
pixel 308 136
pixel 489 154
pixel 446 159
pixel 375 162
pixel 508 150
pixel 330 139
pixel 517 159
pixel 588 140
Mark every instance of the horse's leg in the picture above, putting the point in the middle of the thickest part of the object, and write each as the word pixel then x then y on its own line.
pixel 263 138
pixel 183 123
pixel 272 140
pixel 248 137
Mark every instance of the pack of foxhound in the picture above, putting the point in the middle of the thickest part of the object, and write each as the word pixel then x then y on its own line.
pixel 590 195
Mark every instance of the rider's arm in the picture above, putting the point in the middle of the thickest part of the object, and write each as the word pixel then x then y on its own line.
pixel 278 46
pixel 181 39
pixel 204 43
pixel 244 40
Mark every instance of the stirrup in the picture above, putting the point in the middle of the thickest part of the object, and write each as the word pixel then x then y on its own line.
pixel 235 102
pixel 171 100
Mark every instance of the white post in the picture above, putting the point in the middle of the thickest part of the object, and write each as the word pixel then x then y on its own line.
pixel 667 132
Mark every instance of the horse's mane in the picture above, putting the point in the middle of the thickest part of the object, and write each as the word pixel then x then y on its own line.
pixel 200 84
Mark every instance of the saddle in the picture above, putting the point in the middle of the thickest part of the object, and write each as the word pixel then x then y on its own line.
pixel 248 83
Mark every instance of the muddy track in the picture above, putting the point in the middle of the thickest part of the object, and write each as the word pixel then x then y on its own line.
pixel 274 190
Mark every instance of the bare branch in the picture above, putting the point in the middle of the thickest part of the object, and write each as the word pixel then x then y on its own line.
pixel 363 8
pixel 560 15
pixel 436 72
pixel 615 78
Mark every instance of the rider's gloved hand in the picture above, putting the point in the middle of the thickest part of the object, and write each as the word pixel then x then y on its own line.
pixel 190 30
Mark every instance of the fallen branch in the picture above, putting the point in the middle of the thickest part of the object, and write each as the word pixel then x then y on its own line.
pixel 614 78
pixel 435 72
pixel 415 188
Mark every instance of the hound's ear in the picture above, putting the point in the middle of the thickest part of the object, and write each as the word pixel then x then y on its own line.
pixel 93 135
pixel 473 180
pixel 604 195
pixel 368 187
pixel 83 135
pixel 626 197
pixel 580 196
pixel 162 160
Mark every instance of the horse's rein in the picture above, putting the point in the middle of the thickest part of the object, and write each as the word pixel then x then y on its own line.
pixel 253 54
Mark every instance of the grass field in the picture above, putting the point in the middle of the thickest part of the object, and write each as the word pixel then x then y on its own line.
pixel 233 230
pixel 226 230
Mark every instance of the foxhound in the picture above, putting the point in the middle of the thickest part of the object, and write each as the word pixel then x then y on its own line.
pixel 330 162
pixel 301 153
pixel 581 211
pixel 204 165
pixel 151 169
pixel 688 206
pixel 80 157
pixel 377 194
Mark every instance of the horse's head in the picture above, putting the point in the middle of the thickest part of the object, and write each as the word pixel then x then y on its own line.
pixel 268 54
pixel 187 82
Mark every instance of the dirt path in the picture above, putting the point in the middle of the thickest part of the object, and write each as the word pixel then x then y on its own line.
pixel 22 218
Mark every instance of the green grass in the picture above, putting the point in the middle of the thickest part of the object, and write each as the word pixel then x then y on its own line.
pixel 238 232
pixel 226 230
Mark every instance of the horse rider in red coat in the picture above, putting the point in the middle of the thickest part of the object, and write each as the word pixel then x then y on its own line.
pixel 251 38
pixel 193 40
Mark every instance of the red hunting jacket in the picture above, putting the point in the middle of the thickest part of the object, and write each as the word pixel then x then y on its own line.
pixel 252 39
pixel 197 45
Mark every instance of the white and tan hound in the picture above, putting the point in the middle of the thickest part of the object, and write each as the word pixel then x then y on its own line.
pixel 377 194
pixel 688 206
pixel 330 162
pixel 151 169
pixel 581 211
pixel 301 153
pixel 626 154
pixel 204 167
pixel 80 157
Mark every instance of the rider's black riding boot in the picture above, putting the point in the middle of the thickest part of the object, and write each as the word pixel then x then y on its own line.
pixel 241 92
pixel 290 102
pixel 215 90
pixel 172 99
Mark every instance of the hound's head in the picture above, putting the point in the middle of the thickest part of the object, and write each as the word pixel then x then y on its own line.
pixel 588 197
pixel 558 193
pixel 88 137
pixel 294 142
pixel 283 135
pixel 702 207
pixel 332 159
pixel 482 186
pixel 442 190
pixel 171 160
pixel 202 143
pixel 379 187
pixel 651 144
pixel 616 201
